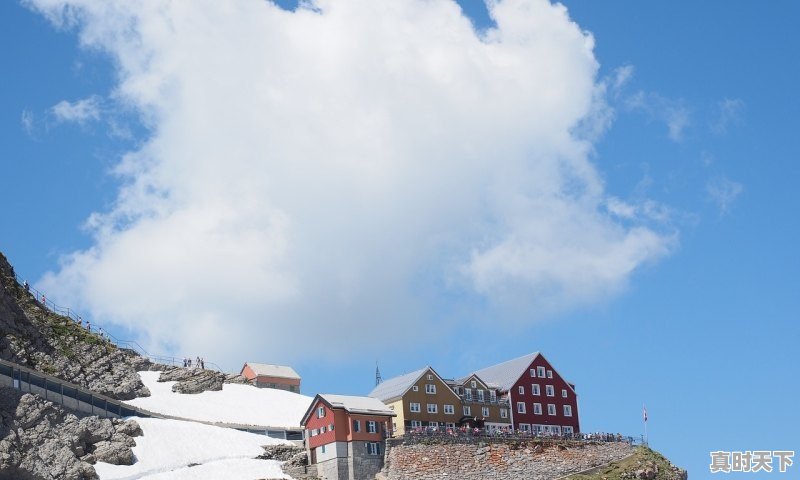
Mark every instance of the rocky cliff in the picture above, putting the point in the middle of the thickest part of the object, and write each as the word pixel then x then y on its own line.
pixel 42 441
pixel 40 339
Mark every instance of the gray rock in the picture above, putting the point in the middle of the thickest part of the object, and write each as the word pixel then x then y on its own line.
pixel 195 380
pixel 40 440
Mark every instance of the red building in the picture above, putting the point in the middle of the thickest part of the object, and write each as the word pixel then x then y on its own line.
pixel 264 375
pixel 541 399
pixel 345 435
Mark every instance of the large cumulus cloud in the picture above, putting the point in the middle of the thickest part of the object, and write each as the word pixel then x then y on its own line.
pixel 351 167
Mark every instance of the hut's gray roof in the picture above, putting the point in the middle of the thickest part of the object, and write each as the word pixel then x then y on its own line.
pixel 395 387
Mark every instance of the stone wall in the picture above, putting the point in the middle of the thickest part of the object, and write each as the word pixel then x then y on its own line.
pixel 363 466
pixel 529 459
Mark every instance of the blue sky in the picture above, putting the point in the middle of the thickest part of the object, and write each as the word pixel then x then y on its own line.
pixel 702 135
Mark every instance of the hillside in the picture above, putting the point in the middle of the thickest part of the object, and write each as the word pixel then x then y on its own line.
pixel 645 464
pixel 37 338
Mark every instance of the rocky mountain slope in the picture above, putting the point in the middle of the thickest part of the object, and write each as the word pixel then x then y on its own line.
pixel 40 440
pixel 40 339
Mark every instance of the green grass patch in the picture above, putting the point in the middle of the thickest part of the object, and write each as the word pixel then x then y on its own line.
pixel 623 469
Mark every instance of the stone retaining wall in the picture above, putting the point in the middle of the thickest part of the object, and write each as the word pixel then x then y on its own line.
pixel 513 460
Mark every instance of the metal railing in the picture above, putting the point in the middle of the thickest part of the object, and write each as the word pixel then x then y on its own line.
pixel 469 435
pixel 68 312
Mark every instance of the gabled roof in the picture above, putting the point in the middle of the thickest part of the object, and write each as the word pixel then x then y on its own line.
pixel 358 404
pixel 395 387
pixel 463 380
pixel 506 374
pixel 269 370
pixel 351 404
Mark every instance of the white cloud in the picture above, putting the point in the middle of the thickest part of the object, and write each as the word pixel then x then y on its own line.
pixel 343 171
pixel 723 192
pixel 729 112
pixel 80 111
pixel 673 113
pixel 27 121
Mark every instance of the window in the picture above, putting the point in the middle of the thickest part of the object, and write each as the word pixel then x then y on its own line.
pixel 372 427
pixel 520 407
pixel 314 432
pixel 416 423
pixel 414 407
pixel 480 395
pixel 331 427
pixel 541 371
pixel 537 428
pixel 432 408
pixel 485 411
pixel 537 408
pixel 521 390
pixel 567 410
pixel 322 430
pixel 450 425
pixel 551 409
pixel 525 427
pixel 549 374
pixel 533 372
pixel 503 413
pixel 551 392
pixel 467 410
pixel 320 412
pixel 449 409
pixel 566 429
pixel 430 388
pixel 492 396
pixel 322 449
pixel 564 392
pixel 556 429
pixel 415 388
pixel 373 448
pixel 535 389
pixel 430 377
pixel 356 425
pixel 473 384
pixel 468 394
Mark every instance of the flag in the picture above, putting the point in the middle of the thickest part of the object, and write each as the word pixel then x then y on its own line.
pixel 644 413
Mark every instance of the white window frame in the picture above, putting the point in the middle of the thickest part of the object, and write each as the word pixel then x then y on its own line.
pixel 321 412
pixel 414 407
pixel 415 388
pixel 492 396
pixel 322 449
pixel 322 429
pixel 556 429
pixel 430 377
pixel 372 426
pixel 537 408
pixel 533 373
pixel 567 410
pixel 563 393
pixel 540 371
pixel 551 409
pixel 467 410
pixel 480 395
pixel 521 407
pixel 356 426
pixel 373 448
pixel 525 427
pixel 430 388
pixel 551 392
pixel 473 384
pixel 449 409
pixel 503 413
pixel 521 390
pixel 567 429
pixel 416 423
pixel 468 394
pixel 549 374
pixel 433 408
pixel 536 389
pixel 485 412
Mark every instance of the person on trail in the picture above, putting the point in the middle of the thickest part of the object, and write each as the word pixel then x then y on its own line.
pixel 27 287
pixel 190 362
pixel 197 362
pixel 202 364
pixel 184 362
pixel 88 325
pixel 44 300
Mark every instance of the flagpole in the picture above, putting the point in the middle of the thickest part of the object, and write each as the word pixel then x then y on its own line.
pixel 644 416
